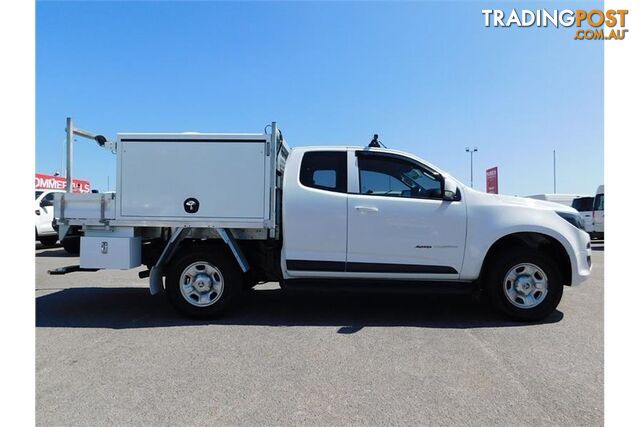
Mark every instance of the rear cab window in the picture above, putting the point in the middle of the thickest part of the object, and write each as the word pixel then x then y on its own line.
pixel 324 170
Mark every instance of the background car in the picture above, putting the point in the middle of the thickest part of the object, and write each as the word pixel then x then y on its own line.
pixel 584 205
pixel 563 199
pixel 44 217
pixel 598 213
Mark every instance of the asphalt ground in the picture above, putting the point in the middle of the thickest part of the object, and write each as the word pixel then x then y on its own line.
pixel 109 353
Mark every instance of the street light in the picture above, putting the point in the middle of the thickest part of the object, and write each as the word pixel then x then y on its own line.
pixel 471 151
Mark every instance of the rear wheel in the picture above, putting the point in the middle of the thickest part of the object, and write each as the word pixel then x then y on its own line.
pixel 203 283
pixel 525 284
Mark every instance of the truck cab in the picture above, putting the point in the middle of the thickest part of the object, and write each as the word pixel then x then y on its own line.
pixel 360 213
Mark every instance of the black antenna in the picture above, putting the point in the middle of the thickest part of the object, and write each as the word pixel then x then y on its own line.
pixel 375 143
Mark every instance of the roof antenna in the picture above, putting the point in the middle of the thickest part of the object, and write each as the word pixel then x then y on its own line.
pixel 375 143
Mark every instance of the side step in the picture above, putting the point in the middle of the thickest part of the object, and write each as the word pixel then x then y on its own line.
pixel 70 269
pixel 382 286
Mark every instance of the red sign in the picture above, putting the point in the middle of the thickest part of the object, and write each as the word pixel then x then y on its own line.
pixel 492 180
pixel 49 182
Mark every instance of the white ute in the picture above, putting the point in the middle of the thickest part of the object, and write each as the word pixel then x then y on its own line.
pixel 213 214
pixel 44 217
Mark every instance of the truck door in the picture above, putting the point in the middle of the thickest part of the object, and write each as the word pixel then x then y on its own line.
pixel 399 226
pixel 314 213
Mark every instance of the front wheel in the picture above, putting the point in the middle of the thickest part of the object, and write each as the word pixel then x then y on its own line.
pixel 203 282
pixel 525 284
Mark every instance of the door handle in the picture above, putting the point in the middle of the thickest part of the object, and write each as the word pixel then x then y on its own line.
pixel 367 209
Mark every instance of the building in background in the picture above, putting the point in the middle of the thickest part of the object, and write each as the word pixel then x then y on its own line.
pixel 51 182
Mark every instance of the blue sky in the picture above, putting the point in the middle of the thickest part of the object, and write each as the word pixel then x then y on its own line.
pixel 428 77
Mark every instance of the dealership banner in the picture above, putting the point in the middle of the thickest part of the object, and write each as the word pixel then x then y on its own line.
pixel 492 180
pixel 50 182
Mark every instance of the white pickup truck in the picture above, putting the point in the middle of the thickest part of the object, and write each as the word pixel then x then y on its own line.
pixel 213 214
pixel 44 217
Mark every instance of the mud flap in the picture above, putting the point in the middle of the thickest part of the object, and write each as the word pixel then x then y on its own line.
pixel 155 280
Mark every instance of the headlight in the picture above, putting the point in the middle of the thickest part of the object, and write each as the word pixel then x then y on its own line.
pixel 574 219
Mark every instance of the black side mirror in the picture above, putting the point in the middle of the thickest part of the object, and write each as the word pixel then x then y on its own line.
pixel 450 192
pixel 44 203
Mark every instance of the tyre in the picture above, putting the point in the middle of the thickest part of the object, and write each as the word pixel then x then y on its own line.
pixel 203 282
pixel 525 284
pixel 48 242
pixel 71 244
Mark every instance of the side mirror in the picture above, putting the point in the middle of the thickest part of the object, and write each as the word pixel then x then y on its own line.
pixel 450 192
pixel 44 203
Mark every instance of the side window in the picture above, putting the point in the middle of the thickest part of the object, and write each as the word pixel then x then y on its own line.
pixel 48 197
pixel 389 176
pixel 325 170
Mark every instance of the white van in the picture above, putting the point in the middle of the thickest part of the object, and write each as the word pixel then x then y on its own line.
pixel 44 217
pixel 563 199
pixel 598 213
pixel 584 205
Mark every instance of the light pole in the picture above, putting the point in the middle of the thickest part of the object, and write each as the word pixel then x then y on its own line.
pixel 471 151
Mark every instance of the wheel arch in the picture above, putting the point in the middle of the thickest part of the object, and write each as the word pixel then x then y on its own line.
pixel 530 240
pixel 190 245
